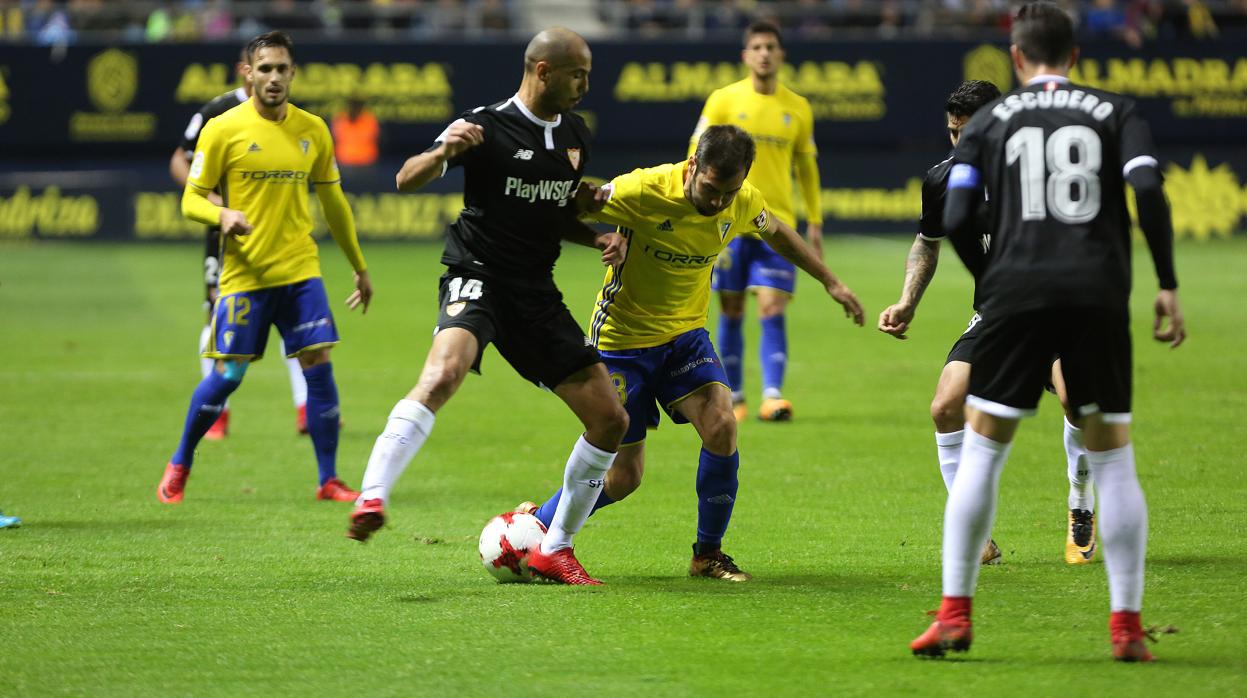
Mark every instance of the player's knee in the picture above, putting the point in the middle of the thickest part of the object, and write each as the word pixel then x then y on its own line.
pixel 233 370
pixel 732 305
pixel 948 412
pixel 441 380
pixel 612 424
pixel 719 435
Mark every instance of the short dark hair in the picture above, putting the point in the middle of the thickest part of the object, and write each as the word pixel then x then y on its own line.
pixel 969 97
pixel 726 149
pixel 1044 33
pixel 268 40
pixel 762 27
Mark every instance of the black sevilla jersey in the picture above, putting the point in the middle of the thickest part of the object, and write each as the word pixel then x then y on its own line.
pixel 1054 156
pixel 973 248
pixel 518 193
pixel 218 106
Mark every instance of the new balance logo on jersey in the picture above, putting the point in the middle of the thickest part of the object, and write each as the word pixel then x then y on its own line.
pixel 254 148
pixel 665 226
pixel 543 190
pixel 523 154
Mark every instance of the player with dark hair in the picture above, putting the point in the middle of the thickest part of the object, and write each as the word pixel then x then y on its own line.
pixel 522 159
pixel 649 319
pixel 782 124
pixel 179 169
pixel 1055 158
pixel 261 155
pixel 947 407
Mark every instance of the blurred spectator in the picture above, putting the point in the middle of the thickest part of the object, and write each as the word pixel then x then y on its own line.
pixel 12 21
pixel 218 22
pixel 49 23
pixel 1107 18
pixel 356 134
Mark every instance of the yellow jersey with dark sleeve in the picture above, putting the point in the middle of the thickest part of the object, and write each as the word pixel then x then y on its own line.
pixel 662 287
pixel 782 127
pixel 263 168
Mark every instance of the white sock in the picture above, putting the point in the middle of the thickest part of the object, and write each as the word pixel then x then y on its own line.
pixel 970 510
pixel 738 396
pixel 298 384
pixel 772 394
pixel 1122 525
pixel 948 450
pixel 406 431
pixel 583 480
pixel 207 366
pixel 1081 495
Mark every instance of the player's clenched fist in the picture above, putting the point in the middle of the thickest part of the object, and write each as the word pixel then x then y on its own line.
pixel 234 222
pixel 460 136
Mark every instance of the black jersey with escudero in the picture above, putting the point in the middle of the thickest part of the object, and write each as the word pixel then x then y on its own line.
pixel 518 194
pixel 973 247
pixel 1054 156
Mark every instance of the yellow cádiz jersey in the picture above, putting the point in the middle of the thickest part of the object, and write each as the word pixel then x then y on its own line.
pixel 662 288
pixel 263 168
pixel 782 126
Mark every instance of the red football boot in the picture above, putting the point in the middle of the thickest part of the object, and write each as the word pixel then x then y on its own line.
pixel 367 519
pixel 950 631
pixel 220 428
pixel 337 491
pixel 560 566
pixel 1127 633
pixel 173 484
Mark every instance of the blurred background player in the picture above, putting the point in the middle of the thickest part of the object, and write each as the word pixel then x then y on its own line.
pixel 263 153
pixel 523 159
pixel 179 168
pixel 782 125
pixel 947 407
pixel 356 136
pixel 649 319
pixel 1055 159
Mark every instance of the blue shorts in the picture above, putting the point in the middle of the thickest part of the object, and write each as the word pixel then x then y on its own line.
pixel 662 375
pixel 240 321
pixel 751 263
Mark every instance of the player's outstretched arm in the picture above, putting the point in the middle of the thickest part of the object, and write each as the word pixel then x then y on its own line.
pixel 789 245
pixel 920 266
pixel 421 169
pixel 342 227
pixel 614 246
pixel 1149 195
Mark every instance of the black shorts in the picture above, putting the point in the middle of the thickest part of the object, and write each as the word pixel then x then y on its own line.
pixel 532 329
pixel 963 348
pixel 1014 353
pixel 212 264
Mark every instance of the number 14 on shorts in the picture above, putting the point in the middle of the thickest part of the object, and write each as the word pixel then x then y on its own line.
pixel 461 289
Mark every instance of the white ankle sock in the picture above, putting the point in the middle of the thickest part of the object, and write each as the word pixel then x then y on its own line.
pixel 406 431
pixel 298 384
pixel 970 510
pixel 1081 494
pixel 583 480
pixel 1122 523
pixel 948 450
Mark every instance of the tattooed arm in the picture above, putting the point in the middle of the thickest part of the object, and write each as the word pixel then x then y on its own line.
pixel 920 266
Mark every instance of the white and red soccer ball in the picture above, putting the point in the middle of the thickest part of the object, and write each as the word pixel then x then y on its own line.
pixel 505 544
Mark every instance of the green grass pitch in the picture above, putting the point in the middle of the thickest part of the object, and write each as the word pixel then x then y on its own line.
pixel 249 587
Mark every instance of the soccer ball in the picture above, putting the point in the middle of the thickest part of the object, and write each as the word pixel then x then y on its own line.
pixel 505 543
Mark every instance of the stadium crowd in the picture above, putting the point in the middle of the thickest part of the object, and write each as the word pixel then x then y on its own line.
pixel 67 21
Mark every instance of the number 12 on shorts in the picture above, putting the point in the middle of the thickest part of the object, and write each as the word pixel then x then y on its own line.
pixel 461 289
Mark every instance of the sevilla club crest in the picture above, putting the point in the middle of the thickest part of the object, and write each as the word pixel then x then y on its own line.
pixel 573 154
